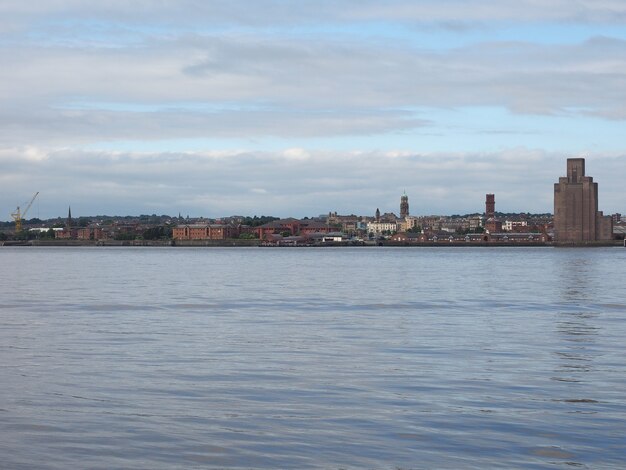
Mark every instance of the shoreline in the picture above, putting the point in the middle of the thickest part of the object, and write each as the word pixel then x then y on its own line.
pixel 258 243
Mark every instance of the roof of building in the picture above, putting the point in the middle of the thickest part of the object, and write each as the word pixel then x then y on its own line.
pixel 202 225
pixel 313 224
pixel 280 223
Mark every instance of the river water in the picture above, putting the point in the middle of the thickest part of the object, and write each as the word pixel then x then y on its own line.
pixel 335 358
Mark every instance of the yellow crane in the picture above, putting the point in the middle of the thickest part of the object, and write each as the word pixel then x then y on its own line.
pixel 19 215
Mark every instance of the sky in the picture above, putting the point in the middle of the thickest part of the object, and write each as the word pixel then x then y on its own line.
pixel 300 107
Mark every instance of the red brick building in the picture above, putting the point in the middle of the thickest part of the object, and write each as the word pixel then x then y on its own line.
pixel 493 225
pixel 290 225
pixel 65 234
pixel 203 232
pixel 310 226
pixel 90 233
pixel 293 227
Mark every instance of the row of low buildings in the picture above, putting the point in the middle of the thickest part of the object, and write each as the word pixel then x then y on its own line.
pixel 285 227
pixel 98 232
pixel 576 220
pixel 445 237
pixel 350 226
pixel 408 238
pixel 379 226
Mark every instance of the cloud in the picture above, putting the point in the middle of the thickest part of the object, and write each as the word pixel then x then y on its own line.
pixel 467 11
pixel 296 154
pixel 214 184
pixel 251 87
pixel 81 127
pixel 185 13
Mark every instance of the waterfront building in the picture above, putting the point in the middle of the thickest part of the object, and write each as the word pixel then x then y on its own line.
pixel 576 215
pixel 288 226
pixel 408 237
pixel 518 238
pixel 442 237
pixel 203 232
pixel 330 237
pixel 293 227
pixel 313 226
pixel 90 233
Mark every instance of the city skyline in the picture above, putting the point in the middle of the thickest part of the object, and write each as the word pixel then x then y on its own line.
pixel 295 110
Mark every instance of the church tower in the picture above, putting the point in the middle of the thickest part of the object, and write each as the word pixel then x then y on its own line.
pixel 404 206
pixel 68 222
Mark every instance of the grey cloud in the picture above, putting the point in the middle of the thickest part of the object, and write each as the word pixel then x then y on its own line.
pixel 467 11
pixel 217 184
pixel 286 12
pixel 67 127
pixel 304 88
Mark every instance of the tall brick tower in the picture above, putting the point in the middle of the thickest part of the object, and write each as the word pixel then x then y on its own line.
pixel 404 206
pixel 576 215
pixel 490 206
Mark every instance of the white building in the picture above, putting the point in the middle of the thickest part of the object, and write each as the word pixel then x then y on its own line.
pixel 510 225
pixel 379 228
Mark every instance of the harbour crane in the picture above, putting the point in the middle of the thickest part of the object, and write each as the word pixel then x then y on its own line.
pixel 19 215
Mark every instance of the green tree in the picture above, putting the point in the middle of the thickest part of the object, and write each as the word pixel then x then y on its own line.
pixel 124 236
pixel 157 233
pixel 248 236
pixel 257 221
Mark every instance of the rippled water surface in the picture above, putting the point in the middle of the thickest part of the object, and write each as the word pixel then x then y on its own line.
pixel 312 358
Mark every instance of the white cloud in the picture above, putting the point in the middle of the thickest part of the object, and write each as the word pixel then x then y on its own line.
pixel 296 154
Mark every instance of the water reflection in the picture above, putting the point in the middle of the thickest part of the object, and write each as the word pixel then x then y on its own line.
pixel 576 325
pixel 577 277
